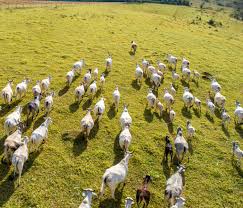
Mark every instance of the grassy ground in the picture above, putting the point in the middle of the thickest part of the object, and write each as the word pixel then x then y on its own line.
pixel 42 41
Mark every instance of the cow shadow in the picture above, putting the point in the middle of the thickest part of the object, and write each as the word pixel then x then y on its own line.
pixel 2 140
pixel 7 108
pixel 38 122
pixel 87 104
pixel 79 142
pixel 236 166
pixel 7 188
pixel 239 130
pixel 119 153
pixel 111 203
pixel 135 85
pixel 148 115
pixel 166 168
pixel 190 148
pixel 196 112
pixel 63 91
pixel 185 84
pixel 186 113
pixel 225 130
pixel 94 131
pixel 112 112
pixel 73 107
pixel 210 118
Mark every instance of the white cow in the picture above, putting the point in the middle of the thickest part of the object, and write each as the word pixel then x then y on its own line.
pixel 21 88
pixel 40 134
pixel 13 120
pixel 7 93
pixel 115 175
pixel 20 156
pixel 125 119
pixel 87 193
pixel 87 123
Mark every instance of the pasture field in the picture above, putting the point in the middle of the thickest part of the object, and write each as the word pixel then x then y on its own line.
pixel 36 42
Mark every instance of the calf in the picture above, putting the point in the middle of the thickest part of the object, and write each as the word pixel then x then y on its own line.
pixel 168 149
pixel 133 47
pixel 33 108
pixel 143 195
pixel 87 193
pixel 7 93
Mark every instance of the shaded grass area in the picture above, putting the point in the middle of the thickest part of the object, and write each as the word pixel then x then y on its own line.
pixel 37 42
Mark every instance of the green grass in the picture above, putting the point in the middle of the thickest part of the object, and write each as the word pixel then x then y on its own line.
pixel 36 42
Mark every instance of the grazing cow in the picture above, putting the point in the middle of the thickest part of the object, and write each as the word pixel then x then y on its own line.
pixel 37 89
pixel 79 65
pixel 87 79
pixel 79 92
pixel 7 93
pixel 151 99
pixel 188 98
pixel 33 108
pixel 125 118
pixel 190 129
pixel 116 97
pixel 172 60
pixel 185 63
pixel 125 139
pixel 181 145
pixel 13 120
pixel 237 151
pixel 99 108
pixel 45 84
pixel 168 149
pixel 40 134
pixel 20 156
pixel 12 143
pixel 21 88
pixel 219 100
pixel 138 74
pixel 159 106
pixel 87 123
pixel 174 185
pixel 102 81
pixel 108 63
pixel 168 98
pixel 198 103
pixel 225 118
pixel 215 86
pixel 143 195
pixel 238 113
pixel 92 89
pixel 95 73
pixel 175 76
pixel 210 106
pixel 48 103
pixel 133 47
pixel 69 77
pixel 115 175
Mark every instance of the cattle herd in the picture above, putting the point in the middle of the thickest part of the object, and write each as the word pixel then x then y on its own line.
pixel 16 146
